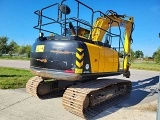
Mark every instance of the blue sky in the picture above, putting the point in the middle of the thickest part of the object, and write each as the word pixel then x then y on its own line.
pixel 17 19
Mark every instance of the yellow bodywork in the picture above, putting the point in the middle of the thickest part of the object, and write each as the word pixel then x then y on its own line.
pixel 100 27
pixel 102 59
pixel 106 59
pixel 97 34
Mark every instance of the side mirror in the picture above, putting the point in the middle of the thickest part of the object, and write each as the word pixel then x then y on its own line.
pixel 64 9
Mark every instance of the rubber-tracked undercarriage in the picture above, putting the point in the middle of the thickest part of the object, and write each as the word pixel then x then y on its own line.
pixel 71 62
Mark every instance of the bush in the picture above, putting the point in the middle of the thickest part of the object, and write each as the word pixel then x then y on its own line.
pixel 157 56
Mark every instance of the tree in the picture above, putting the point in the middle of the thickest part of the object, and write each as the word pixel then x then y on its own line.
pixel 25 50
pixel 21 50
pixel 3 45
pixel 28 50
pixel 12 48
pixel 157 55
pixel 154 54
pixel 132 55
pixel 139 54
pixel 121 54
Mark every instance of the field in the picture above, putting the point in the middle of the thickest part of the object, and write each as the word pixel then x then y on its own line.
pixel 146 66
pixel 11 78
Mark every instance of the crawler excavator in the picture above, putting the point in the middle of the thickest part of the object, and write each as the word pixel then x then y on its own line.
pixel 78 58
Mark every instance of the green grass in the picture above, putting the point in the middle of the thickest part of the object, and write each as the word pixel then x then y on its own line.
pixel 14 58
pixel 146 66
pixel 11 78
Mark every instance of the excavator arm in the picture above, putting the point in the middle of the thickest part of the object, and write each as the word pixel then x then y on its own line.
pixel 127 47
pixel 102 24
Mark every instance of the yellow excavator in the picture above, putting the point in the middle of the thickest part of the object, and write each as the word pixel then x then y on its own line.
pixel 77 59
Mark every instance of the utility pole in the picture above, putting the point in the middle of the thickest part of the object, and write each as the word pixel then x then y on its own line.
pixel 158 106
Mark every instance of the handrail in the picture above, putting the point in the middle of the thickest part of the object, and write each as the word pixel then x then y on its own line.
pixel 41 16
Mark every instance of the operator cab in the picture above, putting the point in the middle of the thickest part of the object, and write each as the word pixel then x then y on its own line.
pixel 81 32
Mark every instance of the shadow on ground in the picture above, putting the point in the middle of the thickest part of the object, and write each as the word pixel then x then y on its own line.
pixel 54 94
pixel 140 90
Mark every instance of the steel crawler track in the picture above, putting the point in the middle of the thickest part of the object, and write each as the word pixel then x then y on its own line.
pixel 87 99
pixel 32 85
pixel 37 87
pixel 77 98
